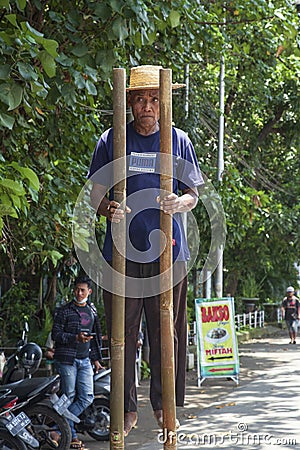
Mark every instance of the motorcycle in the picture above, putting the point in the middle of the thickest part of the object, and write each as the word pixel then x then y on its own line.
pixel 8 439
pixel 95 420
pixel 14 430
pixel 47 411
pixel 24 361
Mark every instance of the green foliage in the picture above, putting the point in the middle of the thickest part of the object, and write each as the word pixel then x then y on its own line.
pixel 145 370
pixel 97 301
pixel 17 306
pixel 250 287
pixel 190 304
pixel 18 187
pixel 37 333
pixel 56 98
pixel 239 306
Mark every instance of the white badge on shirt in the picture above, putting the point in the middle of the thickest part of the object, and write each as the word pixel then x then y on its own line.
pixel 142 162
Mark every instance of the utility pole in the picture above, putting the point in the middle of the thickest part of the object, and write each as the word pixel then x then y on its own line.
pixel 220 249
pixel 187 83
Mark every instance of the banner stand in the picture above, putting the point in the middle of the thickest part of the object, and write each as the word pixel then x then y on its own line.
pixel 217 349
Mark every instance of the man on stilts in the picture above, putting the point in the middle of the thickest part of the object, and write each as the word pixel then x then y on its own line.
pixel 144 204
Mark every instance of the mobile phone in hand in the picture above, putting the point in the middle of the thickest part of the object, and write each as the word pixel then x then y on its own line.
pixel 87 333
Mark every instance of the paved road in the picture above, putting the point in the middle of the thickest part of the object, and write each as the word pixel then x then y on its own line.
pixel 261 413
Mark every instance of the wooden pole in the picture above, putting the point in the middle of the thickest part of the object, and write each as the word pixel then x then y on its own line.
pixel 166 262
pixel 118 263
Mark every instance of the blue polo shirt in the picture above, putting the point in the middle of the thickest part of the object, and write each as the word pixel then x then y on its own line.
pixel 142 189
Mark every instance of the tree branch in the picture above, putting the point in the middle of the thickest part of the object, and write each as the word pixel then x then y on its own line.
pixel 269 126
pixel 238 22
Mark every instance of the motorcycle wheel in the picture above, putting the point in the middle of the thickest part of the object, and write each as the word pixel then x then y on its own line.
pixel 9 442
pixel 45 419
pixel 101 408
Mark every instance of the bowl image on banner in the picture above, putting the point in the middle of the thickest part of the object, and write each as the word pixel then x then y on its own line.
pixel 217 335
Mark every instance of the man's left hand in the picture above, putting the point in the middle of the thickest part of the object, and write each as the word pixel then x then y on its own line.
pixel 170 204
pixel 97 366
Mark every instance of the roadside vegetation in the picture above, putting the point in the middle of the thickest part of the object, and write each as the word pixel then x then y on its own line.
pixel 56 99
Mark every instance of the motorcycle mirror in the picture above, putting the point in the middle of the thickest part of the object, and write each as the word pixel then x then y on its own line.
pixel 20 343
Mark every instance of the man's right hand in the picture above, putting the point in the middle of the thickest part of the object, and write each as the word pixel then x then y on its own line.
pixel 107 208
pixel 114 213
pixel 82 337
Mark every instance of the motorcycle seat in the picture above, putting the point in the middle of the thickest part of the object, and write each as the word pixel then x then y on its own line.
pixel 30 386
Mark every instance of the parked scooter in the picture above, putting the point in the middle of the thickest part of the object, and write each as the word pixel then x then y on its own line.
pixel 46 410
pixel 95 420
pixel 24 361
pixel 14 430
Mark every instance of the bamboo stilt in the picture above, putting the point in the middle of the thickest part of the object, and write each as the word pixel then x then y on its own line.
pixel 166 298
pixel 118 262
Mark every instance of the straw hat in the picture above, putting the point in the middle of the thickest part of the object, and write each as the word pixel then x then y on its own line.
pixel 146 77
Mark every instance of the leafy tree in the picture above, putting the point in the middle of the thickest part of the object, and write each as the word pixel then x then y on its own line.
pixel 55 100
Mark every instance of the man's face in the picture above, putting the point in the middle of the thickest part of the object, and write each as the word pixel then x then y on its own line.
pixel 145 107
pixel 82 291
pixel 290 294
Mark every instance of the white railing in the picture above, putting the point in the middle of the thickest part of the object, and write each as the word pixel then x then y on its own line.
pixel 279 315
pixel 255 319
pixel 192 333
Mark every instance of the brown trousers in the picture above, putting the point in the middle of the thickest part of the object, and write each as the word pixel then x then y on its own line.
pixel 133 313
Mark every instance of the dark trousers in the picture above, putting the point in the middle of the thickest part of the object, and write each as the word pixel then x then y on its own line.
pixel 133 313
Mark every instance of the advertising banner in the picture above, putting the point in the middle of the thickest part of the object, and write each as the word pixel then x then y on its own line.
pixel 217 350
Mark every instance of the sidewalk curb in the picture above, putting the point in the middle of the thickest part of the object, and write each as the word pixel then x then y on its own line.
pixel 258 333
